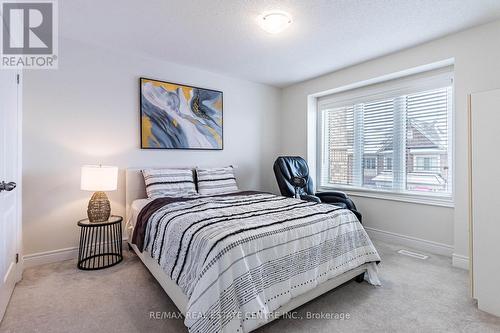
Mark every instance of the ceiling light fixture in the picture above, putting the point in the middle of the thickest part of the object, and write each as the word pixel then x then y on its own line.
pixel 275 22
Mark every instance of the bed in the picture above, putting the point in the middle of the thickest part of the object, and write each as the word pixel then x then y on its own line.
pixel 237 261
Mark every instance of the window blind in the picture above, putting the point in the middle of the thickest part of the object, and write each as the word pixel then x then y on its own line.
pixel 396 140
pixel 427 141
pixel 340 145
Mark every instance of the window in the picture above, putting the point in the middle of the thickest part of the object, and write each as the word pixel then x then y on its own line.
pixel 388 164
pixel 394 137
pixel 426 163
pixel 370 163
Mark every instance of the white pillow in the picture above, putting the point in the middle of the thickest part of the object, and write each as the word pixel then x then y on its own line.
pixel 216 181
pixel 169 182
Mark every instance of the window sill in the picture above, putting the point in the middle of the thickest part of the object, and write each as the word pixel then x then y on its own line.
pixel 416 199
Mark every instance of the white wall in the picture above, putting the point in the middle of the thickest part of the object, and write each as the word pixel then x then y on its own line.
pixel 87 112
pixel 477 67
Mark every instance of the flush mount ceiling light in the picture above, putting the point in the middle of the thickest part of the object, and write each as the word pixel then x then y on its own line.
pixel 275 22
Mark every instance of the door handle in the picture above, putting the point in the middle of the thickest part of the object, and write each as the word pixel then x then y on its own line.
pixel 7 186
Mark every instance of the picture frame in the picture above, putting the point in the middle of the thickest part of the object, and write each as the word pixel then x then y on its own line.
pixel 180 116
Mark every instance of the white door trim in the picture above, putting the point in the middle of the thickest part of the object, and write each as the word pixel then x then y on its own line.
pixel 20 264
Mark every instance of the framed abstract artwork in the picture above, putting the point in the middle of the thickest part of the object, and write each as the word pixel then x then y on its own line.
pixel 177 116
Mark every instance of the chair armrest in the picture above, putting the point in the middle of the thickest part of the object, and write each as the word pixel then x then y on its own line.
pixel 308 197
pixel 332 194
pixel 336 197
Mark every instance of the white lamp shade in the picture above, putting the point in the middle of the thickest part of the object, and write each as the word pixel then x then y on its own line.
pixel 99 178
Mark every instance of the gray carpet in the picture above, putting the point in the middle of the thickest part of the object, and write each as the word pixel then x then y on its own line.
pixel 416 296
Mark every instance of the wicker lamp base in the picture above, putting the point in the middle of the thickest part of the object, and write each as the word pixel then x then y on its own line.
pixel 99 208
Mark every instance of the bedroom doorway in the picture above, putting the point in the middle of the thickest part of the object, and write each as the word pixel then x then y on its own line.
pixel 10 194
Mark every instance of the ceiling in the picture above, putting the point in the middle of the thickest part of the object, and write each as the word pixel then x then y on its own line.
pixel 223 36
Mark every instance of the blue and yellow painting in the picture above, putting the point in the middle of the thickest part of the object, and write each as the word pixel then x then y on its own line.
pixel 175 116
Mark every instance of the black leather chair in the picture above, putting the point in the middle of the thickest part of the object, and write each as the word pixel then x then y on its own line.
pixel 288 168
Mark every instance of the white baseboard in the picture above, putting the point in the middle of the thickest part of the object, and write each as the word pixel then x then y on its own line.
pixel 460 261
pixel 412 242
pixel 48 257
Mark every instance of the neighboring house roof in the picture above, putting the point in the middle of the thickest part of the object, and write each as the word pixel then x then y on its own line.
pixel 434 139
pixel 429 130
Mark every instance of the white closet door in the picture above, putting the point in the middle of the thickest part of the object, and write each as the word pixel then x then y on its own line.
pixel 485 135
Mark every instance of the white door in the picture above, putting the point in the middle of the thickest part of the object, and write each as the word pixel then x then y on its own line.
pixel 9 178
pixel 485 117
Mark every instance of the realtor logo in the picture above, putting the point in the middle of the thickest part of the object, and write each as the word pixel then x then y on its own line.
pixel 29 34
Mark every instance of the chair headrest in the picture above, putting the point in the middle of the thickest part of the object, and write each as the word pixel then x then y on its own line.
pixel 293 166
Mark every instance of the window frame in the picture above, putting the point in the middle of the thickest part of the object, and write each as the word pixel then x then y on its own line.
pixel 394 88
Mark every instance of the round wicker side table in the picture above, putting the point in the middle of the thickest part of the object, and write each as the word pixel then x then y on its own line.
pixel 100 243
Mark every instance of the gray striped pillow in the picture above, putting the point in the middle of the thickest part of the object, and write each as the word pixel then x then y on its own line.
pixel 169 182
pixel 216 181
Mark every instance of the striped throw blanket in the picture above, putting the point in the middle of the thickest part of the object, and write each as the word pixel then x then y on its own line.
pixel 239 257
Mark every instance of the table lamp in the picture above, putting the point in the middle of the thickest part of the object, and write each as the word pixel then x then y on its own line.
pixel 99 178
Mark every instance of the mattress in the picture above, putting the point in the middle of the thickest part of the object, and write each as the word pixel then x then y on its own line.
pixel 135 209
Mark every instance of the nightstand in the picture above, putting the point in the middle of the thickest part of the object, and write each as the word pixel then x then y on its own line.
pixel 100 243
